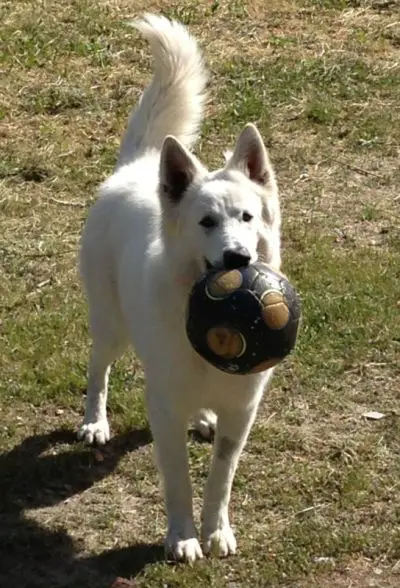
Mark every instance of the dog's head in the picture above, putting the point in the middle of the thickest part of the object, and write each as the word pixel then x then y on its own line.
pixel 223 219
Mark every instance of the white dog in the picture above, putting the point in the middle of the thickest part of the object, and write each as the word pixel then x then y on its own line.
pixel 161 219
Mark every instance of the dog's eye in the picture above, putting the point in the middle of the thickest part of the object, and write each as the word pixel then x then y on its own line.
pixel 208 222
pixel 247 217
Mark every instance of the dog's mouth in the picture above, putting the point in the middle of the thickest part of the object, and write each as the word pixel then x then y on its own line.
pixel 213 266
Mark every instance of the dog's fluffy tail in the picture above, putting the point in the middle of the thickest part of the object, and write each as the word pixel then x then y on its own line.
pixel 173 103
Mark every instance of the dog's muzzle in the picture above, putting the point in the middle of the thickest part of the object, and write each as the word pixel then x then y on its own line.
pixel 232 259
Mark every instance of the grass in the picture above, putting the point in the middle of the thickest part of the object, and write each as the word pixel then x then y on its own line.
pixel 316 501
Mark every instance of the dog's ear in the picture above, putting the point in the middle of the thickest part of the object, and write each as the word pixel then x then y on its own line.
pixel 251 157
pixel 177 170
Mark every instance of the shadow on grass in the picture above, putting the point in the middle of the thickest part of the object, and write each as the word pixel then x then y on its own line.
pixel 34 475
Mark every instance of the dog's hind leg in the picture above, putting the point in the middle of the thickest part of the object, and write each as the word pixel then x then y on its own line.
pixel 109 342
pixel 205 422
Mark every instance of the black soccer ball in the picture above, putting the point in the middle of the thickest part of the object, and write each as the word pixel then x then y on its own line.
pixel 243 320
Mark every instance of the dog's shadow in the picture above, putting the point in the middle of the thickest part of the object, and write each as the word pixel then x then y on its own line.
pixel 35 475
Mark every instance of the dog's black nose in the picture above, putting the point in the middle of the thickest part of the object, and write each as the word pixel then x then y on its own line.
pixel 234 258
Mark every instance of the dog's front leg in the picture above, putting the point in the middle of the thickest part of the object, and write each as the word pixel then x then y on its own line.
pixel 233 427
pixel 169 431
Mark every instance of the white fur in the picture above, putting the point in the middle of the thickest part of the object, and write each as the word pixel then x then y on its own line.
pixel 175 97
pixel 142 249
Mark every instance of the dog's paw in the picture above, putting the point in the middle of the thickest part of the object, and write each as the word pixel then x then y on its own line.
pixel 220 542
pixel 98 432
pixel 184 550
pixel 205 423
